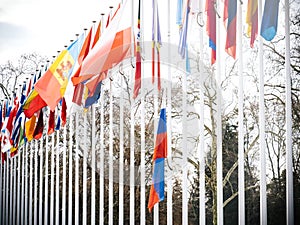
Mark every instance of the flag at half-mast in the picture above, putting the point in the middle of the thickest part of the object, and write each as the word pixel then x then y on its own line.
pixel 113 46
pixel 230 9
pixel 252 21
pixel 52 85
pixel 160 153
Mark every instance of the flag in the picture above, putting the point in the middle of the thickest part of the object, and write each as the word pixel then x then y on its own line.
pixel 211 28
pixel 159 155
pixel 138 63
pixel 29 127
pixel 52 85
pixel 183 32
pixel 38 131
pixel 51 122
pixel 93 97
pixel 179 13
pixel 97 34
pixel 63 112
pixel 252 21
pixel 113 46
pixel 269 20
pixel 230 7
pixel 33 103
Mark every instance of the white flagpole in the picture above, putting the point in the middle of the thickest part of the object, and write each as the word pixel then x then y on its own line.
pixel 30 182
pixel 132 121
pixel 121 157
pixel 202 215
pixel 1 182
pixel 21 221
pixel 70 169
pixel 219 120
pixel 57 179
pixel 64 185
pixel 41 183
pixel 4 192
pixel 46 182
pixel 142 167
pixel 110 182
pixel 25 217
pixel 84 172
pixel 15 190
pixel 35 197
pixel 76 213
pixel 12 166
pixel 19 187
pixel 7 189
pixel 101 182
pixel 289 122
pixel 241 179
pixel 52 181
pixel 93 167
pixel 169 117
pixel 262 145
pixel 155 98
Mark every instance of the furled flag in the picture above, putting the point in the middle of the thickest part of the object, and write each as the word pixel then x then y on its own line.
pixel 269 20
pixel 51 122
pixel 159 155
pixel 252 21
pixel 156 43
pixel 63 112
pixel 97 34
pixel 211 28
pixel 113 46
pixel 52 85
pixel 38 131
pixel 230 7
pixel 183 31
pixel 5 140
pixel 78 90
pixel 29 128
pixel 179 13
pixel 138 63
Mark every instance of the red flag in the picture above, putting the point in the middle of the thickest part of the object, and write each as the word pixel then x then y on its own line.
pixel 63 112
pixel 211 28
pixel 38 131
pixel 252 21
pixel 113 46
pixel 51 123
pixel 33 103
pixel 97 34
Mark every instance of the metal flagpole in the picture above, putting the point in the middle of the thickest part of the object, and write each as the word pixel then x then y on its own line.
pixel 262 145
pixel 64 188
pixel 110 182
pixel 70 206
pixel 52 181
pixel 101 169
pixel 84 172
pixel 16 189
pixel 30 183
pixel 169 117
pixel 76 213
pixel 143 150
pixel 41 183
pixel 10 190
pixel 46 181
pixel 57 179
pixel 7 189
pixel 25 217
pixel 201 128
pixel 4 192
pixel 121 157
pixel 1 182
pixel 22 206
pixel 219 120
pixel 132 121
pixel 93 167
pixel 241 179
pixel 35 196
pixel 289 122
pixel 19 188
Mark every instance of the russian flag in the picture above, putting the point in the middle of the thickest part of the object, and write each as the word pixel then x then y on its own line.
pixel 230 7
pixel 211 28
pixel 160 153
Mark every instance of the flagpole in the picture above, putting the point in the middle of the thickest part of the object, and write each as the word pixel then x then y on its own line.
pixel 21 221
pixel 70 207
pixel 84 171
pixel 1 181
pixel 155 93
pixel 9 187
pixel 52 182
pixel 262 145
pixel 76 213
pixel 143 190
pixel 241 179
pixel 64 188
pixel 219 119
pixel 19 187
pixel 101 182
pixel 46 181
pixel 12 166
pixel 41 183
pixel 201 129
pixel 57 179
pixel 121 159
pixel 4 192
pixel 289 122
pixel 35 197
pixel 93 167
pixel 132 122
pixel 30 183
pixel 25 218
pixel 7 190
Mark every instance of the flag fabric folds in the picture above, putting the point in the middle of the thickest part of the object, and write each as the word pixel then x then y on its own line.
pixel 113 46
pixel 183 31
pixel 252 21
pixel 230 9
pixel 211 28
pixel 51 122
pixel 52 85
pixel 159 155
pixel 138 64
pixel 269 20
pixel 38 131
pixel 33 103
pixel 179 13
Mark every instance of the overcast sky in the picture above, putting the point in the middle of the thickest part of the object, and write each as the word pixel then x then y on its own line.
pixel 44 26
